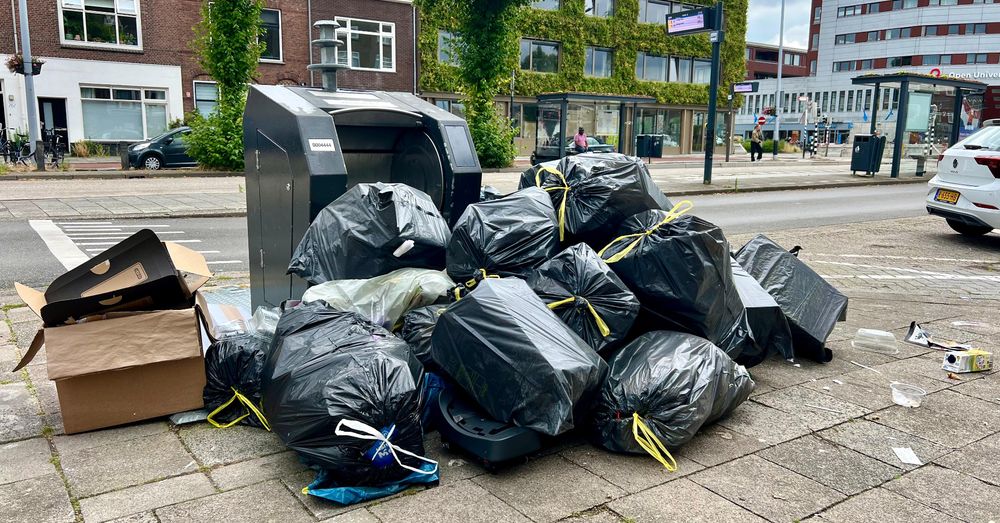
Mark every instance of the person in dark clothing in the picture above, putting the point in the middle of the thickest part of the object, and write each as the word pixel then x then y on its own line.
pixel 756 145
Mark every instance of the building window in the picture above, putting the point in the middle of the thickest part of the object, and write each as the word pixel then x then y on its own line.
pixel 767 56
pixel 270 38
pixel 793 59
pixel 600 8
pixel 865 64
pixel 816 14
pixel 953 29
pixel 370 44
pixel 452 106
pixel 702 72
pixel 680 69
pixel 850 100
pixel 825 106
pixel 547 5
pixel 944 2
pixel 123 113
pixel 653 68
pixel 868 99
pixel 975 58
pixel 946 59
pixel 930 30
pixel 597 62
pixel 841 101
pixel 747 54
pixel 892 34
pixel 851 10
pixel 447 48
pixel 653 11
pixel 812 67
pixel 101 22
pixel 849 65
pixel 540 57
pixel 844 39
pixel 873 36
pixel 977 29
pixel 206 97
pixel 873 7
pixel 815 41
pixel 909 4
pixel 900 61
pixel 932 59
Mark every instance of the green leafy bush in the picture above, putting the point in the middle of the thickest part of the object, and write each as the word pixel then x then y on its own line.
pixel 216 141
pixel 768 145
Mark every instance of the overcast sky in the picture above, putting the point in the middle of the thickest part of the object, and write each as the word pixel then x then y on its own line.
pixel 763 17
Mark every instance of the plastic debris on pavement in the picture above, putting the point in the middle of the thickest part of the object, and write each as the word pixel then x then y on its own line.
pixel 662 388
pixel 587 295
pixel 516 358
pixel 360 235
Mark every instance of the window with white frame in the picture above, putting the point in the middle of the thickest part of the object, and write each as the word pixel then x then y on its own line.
pixel 123 113
pixel 101 22
pixel 270 38
pixel 206 97
pixel 370 44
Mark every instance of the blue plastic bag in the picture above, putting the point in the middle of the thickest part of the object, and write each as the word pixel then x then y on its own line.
pixel 322 488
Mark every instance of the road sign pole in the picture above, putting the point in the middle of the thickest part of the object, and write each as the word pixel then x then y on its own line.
pixel 729 127
pixel 713 92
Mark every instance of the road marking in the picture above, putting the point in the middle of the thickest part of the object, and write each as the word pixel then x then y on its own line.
pixel 937 277
pixel 98 243
pixel 60 245
pixel 97 224
pixel 84 223
pixel 223 262
pixel 119 233
pixel 206 252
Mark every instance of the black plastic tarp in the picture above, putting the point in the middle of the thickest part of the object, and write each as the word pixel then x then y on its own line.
pixel 326 366
pixel 516 358
pixel 771 334
pixel 505 237
pixel 675 382
pixel 593 193
pixel 233 367
pixel 418 325
pixel 362 234
pixel 811 305
pixel 587 295
pixel 680 271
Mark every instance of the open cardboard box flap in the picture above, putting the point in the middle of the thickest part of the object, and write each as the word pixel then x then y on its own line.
pixel 140 273
pixel 115 343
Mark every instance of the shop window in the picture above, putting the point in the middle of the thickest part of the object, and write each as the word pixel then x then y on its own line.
pixel 598 62
pixel 540 57
pixel 270 38
pixel 368 44
pixel 123 113
pixel 109 23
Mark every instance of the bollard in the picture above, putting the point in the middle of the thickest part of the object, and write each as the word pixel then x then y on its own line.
pixel 123 154
pixel 40 156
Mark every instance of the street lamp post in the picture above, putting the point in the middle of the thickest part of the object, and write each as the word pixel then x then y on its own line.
pixel 778 106
pixel 29 79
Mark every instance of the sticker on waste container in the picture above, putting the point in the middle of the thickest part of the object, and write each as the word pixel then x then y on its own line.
pixel 322 145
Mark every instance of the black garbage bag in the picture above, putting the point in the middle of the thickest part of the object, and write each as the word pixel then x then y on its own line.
pixel 679 269
pixel 327 368
pixel 671 382
pixel 418 325
pixel 768 324
pixel 516 358
pixel 233 367
pixel 593 193
pixel 489 193
pixel 505 237
pixel 587 295
pixel 811 305
pixel 362 234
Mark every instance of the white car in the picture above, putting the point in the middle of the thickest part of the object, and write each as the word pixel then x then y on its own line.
pixel 966 189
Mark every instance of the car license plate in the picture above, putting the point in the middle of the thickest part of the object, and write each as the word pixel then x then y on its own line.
pixel 946 196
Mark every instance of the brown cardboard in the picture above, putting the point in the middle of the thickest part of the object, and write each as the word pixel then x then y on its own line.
pixel 139 273
pixel 124 369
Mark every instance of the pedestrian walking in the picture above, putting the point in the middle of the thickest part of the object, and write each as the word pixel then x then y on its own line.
pixel 580 141
pixel 756 139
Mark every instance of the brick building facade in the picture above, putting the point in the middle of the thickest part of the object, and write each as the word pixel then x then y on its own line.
pixel 123 69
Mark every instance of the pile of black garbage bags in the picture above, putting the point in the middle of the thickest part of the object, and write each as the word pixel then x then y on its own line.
pixel 585 301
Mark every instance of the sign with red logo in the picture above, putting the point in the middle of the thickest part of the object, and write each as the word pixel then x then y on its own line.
pixel 761 120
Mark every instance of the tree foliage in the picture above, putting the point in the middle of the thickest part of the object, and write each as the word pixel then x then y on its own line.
pixel 487 53
pixel 228 47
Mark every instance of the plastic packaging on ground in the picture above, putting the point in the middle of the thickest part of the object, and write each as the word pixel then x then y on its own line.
pixel 418 326
pixel 811 305
pixel 679 268
pixel 359 235
pixel 669 383
pixel 505 237
pixel 344 394
pixel 587 295
pixel 593 193
pixel 771 334
pixel 383 299
pixel 516 358
pixel 233 367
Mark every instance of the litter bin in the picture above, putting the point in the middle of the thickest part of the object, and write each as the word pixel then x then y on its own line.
pixel 866 153
pixel 649 145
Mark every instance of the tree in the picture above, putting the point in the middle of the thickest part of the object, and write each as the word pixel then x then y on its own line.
pixel 228 47
pixel 487 53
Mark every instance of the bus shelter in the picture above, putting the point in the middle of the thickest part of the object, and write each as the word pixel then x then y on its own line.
pixel 604 117
pixel 934 112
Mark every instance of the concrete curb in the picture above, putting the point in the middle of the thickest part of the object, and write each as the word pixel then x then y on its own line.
pixel 226 213
pixel 834 185
pixel 115 175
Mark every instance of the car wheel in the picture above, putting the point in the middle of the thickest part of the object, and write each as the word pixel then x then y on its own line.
pixel 966 229
pixel 152 162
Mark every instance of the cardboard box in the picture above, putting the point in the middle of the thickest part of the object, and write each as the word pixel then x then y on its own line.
pixel 130 365
pixel 973 360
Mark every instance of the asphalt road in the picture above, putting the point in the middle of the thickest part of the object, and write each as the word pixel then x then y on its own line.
pixel 28 259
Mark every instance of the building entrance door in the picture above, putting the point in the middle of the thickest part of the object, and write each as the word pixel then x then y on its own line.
pixel 52 112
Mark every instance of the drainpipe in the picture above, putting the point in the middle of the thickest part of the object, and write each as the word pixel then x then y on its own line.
pixel 309 16
pixel 416 64
pixel 13 23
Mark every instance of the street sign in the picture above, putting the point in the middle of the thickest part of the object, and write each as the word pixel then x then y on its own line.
pixel 713 37
pixel 690 21
pixel 761 120
pixel 745 87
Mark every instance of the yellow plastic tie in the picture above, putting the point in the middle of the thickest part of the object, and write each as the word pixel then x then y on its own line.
pixel 677 211
pixel 247 403
pixel 471 284
pixel 565 189
pixel 651 444
pixel 601 325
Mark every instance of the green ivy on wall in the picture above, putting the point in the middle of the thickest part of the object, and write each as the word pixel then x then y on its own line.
pixel 575 31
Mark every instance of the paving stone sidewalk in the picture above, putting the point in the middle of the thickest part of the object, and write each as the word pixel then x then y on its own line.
pixel 814 442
